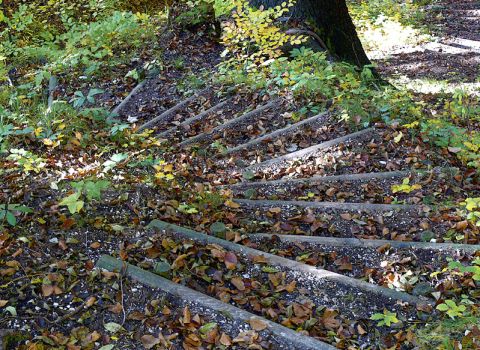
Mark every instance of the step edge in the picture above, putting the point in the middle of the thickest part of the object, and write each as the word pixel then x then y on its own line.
pixel 194 118
pixel 310 150
pixel 201 137
pixel 279 132
pixel 328 205
pixel 294 266
pixel 171 110
pixel 177 290
pixel 368 243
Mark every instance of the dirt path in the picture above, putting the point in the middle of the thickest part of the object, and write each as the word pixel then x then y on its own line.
pixel 454 53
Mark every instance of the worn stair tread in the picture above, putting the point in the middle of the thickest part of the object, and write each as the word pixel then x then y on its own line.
pixel 118 109
pixel 364 187
pixel 306 271
pixel 322 117
pixel 364 207
pixel 307 152
pixel 193 119
pixel 171 111
pixel 361 177
pixel 377 151
pixel 318 179
pixel 289 338
pixel 204 137
pixel 368 243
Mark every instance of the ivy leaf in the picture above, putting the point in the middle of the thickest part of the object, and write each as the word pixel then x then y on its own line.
pixel 11 310
pixel 442 307
pixel 73 203
pixel 207 327
pixel 113 327
pixel 94 189
pixel 11 218
pixel 107 347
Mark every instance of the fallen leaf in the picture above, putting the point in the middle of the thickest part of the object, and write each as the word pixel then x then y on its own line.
pixel 231 260
pixel 238 283
pixel 225 340
pixel 275 210
pixel 149 341
pixel 257 324
pixel 232 204
pixel 95 245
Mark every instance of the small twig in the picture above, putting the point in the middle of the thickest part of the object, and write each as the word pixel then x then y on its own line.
pixel 20 278
pixel 72 313
pixel 123 273
pixel 294 31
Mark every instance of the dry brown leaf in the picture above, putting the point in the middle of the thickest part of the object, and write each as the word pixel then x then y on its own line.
pixel 95 245
pixel 116 308
pixel 149 341
pixel 231 260
pixel 225 340
pixel 257 324
pixel 186 315
pixel 90 301
pixel 275 210
pixel 238 283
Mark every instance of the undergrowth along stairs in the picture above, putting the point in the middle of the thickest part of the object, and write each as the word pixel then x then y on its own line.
pixel 306 184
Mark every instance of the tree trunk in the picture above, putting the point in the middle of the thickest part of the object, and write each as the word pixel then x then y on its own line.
pixel 332 22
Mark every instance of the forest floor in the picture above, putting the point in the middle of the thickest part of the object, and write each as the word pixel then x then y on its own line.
pixel 348 234
pixel 448 58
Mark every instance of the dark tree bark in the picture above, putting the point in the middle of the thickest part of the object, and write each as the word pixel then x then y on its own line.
pixel 332 22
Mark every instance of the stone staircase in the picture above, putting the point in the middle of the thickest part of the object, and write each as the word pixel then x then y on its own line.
pixel 320 222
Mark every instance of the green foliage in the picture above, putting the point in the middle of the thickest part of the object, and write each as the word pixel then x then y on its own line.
pixel 7 130
pixel 9 212
pixel 80 99
pixel 74 41
pixel 198 12
pixel 406 12
pixel 251 38
pixel 26 160
pixel 73 203
pixel 444 335
pixel 452 309
pixel 114 161
pixel 464 143
pixel 385 319
pixel 84 190
pixel 472 206
pixel 91 189
pixel 473 269
pixel 187 209
pixel 309 74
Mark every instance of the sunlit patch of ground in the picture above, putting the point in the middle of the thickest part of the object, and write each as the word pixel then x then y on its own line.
pixel 430 86
pixel 387 35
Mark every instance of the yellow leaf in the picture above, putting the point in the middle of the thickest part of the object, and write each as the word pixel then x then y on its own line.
pixel 231 204
pixel 398 137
